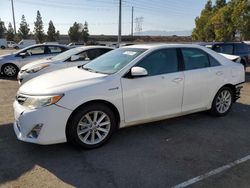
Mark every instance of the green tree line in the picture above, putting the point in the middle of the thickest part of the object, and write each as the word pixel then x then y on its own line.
pixel 223 21
pixel 77 32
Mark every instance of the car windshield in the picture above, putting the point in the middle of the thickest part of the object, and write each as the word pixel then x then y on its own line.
pixel 113 61
pixel 65 55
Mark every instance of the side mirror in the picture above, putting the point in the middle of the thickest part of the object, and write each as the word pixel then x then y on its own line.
pixel 74 57
pixel 23 54
pixel 86 59
pixel 138 72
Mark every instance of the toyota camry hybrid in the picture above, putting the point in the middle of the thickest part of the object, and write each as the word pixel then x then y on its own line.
pixel 127 86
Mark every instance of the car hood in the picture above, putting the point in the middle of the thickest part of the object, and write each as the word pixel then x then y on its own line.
pixel 7 57
pixel 230 57
pixel 60 81
pixel 36 63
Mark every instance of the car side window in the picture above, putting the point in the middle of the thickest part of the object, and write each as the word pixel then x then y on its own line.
pixel 213 61
pixel 194 58
pixel 83 56
pixel 104 50
pixel 160 62
pixel 241 48
pixel 92 54
pixel 54 49
pixel 224 48
pixel 36 50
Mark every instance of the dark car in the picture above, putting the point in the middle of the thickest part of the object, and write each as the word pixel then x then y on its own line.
pixel 234 48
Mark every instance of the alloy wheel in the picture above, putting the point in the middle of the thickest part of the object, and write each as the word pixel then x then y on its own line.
pixel 9 70
pixel 223 101
pixel 93 127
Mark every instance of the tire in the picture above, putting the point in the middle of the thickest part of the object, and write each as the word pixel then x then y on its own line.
pixel 2 47
pixel 10 70
pixel 16 47
pixel 222 102
pixel 80 130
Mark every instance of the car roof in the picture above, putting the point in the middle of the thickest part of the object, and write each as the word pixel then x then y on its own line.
pixel 161 45
pixel 37 45
pixel 93 47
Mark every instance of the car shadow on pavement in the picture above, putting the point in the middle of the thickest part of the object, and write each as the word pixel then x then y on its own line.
pixel 7 78
pixel 159 154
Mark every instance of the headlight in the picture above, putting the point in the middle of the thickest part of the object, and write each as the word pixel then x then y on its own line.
pixel 33 102
pixel 36 68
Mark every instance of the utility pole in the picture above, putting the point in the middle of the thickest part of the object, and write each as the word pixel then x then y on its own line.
pixel 13 14
pixel 120 23
pixel 132 22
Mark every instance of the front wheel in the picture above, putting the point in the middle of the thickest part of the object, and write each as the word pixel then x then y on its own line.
pixel 91 126
pixel 222 102
pixel 10 70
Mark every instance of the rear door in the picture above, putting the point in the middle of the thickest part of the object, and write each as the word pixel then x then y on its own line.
pixel 199 79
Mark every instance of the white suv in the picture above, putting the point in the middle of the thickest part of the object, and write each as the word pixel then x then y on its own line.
pixel 124 87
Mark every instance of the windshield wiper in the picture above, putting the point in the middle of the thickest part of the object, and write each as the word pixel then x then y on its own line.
pixel 88 69
pixel 91 70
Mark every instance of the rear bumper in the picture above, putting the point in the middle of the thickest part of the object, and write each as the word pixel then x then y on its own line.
pixel 237 91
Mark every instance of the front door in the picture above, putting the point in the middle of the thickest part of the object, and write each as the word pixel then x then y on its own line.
pixel 157 95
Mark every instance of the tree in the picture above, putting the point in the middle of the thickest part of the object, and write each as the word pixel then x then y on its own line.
pixel 24 30
pixel 223 26
pixel 10 33
pixel 2 29
pixel 241 17
pixel 75 32
pixel 85 32
pixel 204 30
pixel 52 34
pixel 220 3
pixel 38 30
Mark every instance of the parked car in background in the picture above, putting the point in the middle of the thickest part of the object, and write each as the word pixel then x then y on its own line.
pixel 10 64
pixel 73 57
pixel 25 43
pixel 11 44
pixel 248 43
pixel 234 48
pixel 3 43
pixel 75 44
pixel 125 87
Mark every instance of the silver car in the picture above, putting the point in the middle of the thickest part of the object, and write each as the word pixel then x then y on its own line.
pixel 10 64
pixel 73 57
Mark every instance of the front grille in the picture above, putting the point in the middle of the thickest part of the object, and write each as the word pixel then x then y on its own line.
pixel 21 99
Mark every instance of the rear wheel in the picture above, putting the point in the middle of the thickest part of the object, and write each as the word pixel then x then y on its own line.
pixel 222 102
pixel 2 47
pixel 10 70
pixel 91 126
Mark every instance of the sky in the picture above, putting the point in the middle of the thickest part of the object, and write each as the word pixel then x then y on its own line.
pixel 102 15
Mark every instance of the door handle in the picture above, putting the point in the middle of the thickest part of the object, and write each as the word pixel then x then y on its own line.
pixel 219 73
pixel 178 80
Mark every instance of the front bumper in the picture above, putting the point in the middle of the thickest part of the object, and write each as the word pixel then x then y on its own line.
pixel 53 118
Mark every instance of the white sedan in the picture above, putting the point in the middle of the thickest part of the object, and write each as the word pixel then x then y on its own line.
pixel 70 58
pixel 125 87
